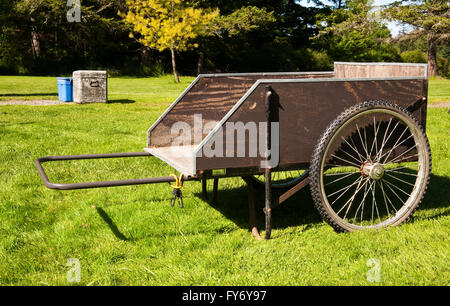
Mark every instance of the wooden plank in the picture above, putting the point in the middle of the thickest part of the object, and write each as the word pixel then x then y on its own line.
pixel 378 70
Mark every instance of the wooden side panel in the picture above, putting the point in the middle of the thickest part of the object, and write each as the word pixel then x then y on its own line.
pixel 305 110
pixel 212 98
pixel 364 70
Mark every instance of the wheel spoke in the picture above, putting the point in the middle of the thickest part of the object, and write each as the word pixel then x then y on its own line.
pixel 400 179
pixel 350 201
pixel 403 159
pixel 366 191
pixel 346 189
pixel 366 183
pixel 348 154
pixel 367 146
pixel 375 134
pixel 354 149
pixel 362 142
pixel 395 158
pixel 342 159
pixel 374 204
pixel 403 167
pixel 340 173
pixel 395 145
pixel 388 184
pixel 385 196
pixel 334 181
pixel 399 172
pixel 384 137
pixel 343 166
pixel 384 142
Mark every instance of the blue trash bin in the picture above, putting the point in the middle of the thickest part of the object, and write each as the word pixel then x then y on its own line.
pixel 65 89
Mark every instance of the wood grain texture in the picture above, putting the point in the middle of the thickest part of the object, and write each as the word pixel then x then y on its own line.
pixel 306 110
pixel 362 70
pixel 212 98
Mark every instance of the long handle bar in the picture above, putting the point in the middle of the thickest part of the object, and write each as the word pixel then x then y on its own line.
pixel 153 180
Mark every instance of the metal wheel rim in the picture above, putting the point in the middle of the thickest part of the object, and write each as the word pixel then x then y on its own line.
pixel 420 178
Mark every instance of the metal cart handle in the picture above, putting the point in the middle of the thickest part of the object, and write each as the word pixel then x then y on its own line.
pixel 38 163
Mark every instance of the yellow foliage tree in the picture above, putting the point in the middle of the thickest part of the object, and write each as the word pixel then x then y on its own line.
pixel 168 24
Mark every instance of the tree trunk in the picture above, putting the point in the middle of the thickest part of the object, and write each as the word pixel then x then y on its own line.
pixel 432 63
pixel 201 56
pixel 35 45
pixel 145 56
pixel 174 66
pixel 172 51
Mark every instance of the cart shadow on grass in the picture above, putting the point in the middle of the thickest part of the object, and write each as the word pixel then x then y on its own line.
pixel 437 196
pixel 121 101
pixel 295 212
pixel 299 210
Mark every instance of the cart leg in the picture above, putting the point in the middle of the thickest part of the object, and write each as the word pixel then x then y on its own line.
pixel 204 190
pixel 251 208
pixel 268 203
pixel 215 187
pixel 267 172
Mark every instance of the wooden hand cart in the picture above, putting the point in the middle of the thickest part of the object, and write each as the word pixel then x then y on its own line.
pixel 356 135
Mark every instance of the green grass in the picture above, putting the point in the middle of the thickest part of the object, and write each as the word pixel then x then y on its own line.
pixel 157 90
pixel 131 236
pixel 123 89
pixel 439 91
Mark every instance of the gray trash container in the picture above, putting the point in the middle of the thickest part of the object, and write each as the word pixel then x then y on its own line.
pixel 90 86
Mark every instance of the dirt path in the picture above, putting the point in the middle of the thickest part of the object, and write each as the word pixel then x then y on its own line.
pixel 32 102
pixel 443 104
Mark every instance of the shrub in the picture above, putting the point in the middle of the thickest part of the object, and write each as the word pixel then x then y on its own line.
pixel 414 56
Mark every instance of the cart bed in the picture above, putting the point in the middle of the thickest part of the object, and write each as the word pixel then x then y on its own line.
pixel 308 101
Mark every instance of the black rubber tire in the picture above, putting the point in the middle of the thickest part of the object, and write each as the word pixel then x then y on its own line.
pixel 319 151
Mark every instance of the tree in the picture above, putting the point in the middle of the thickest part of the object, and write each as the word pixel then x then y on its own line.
pixel 355 33
pixel 36 37
pixel 430 18
pixel 168 24
pixel 242 20
pixel 276 39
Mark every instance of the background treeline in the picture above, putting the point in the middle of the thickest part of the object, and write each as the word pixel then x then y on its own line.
pixel 36 38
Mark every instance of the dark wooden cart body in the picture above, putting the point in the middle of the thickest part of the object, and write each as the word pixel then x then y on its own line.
pixel 306 103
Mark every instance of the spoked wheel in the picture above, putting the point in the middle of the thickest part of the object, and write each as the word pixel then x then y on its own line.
pixel 370 168
pixel 283 179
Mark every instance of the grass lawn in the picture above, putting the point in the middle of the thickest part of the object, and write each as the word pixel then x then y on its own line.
pixel 155 90
pixel 131 236
pixel 439 91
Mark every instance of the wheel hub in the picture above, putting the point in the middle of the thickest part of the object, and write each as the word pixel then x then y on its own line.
pixel 373 170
